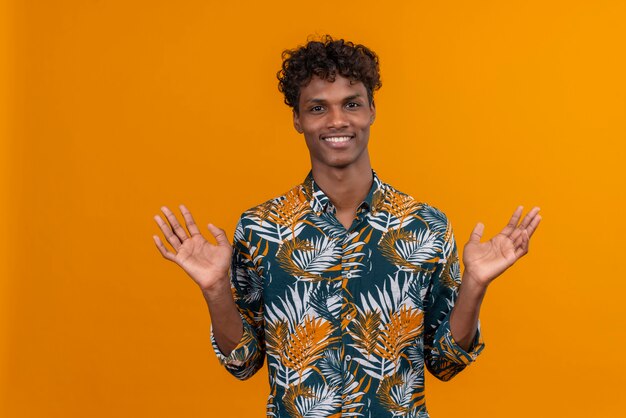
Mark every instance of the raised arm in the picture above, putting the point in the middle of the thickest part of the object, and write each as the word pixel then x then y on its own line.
pixel 484 261
pixel 207 264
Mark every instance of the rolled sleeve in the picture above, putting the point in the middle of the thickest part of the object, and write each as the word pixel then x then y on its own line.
pixel 246 358
pixel 246 284
pixel 444 357
pixel 445 346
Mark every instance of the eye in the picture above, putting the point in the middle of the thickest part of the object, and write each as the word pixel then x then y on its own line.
pixel 352 105
pixel 316 109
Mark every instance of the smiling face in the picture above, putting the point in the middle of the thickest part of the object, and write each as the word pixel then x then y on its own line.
pixel 335 118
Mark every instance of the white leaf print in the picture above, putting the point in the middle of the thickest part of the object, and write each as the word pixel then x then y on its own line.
pixel 402 394
pixel 330 366
pixel 323 256
pixel 374 366
pixel 424 247
pixel 322 404
pixel 292 308
pixel 435 218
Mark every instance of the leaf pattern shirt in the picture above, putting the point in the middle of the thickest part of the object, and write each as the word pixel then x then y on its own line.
pixel 347 319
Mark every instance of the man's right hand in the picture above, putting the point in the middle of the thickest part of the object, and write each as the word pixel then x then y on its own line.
pixel 207 264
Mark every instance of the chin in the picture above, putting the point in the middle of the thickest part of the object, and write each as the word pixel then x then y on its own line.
pixel 341 164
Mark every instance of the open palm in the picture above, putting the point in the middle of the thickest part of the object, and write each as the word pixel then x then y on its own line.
pixel 207 264
pixel 484 261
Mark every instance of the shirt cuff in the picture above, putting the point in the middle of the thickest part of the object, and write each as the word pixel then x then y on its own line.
pixel 445 344
pixel 242 352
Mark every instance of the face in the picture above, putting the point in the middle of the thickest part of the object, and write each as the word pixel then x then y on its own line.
pixel 335 118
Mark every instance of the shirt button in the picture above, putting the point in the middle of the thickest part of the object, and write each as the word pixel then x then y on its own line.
pixel 349 317
pixel 349 275
pixel 348 357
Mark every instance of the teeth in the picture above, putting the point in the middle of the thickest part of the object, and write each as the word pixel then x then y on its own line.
pixel 337 138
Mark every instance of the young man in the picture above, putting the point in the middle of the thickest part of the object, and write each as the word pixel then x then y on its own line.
pixel 348 286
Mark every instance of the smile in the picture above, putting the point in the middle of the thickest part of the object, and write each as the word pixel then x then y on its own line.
pixel 337 138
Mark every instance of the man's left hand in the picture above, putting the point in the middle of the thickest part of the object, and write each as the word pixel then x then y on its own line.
pixel 484 261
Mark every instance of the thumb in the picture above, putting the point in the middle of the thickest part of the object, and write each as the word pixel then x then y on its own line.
pixel 218 234
pixel 477 233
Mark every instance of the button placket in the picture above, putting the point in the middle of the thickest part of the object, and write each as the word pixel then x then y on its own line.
pixel 346 307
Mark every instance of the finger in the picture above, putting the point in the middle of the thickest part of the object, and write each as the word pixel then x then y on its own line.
pixel 519 239
pixel 162 249
pixel 533 225
pixel 171 218
pixel 510 227
pixel 529 217
pixel 218 234
pixel 167 232
pixel 515 235
pixel 477 233
pixel 189 221
pixel 522 248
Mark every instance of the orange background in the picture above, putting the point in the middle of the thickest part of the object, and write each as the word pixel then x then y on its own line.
pixel 114 108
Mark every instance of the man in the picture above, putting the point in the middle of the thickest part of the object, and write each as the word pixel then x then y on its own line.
pixel 347 286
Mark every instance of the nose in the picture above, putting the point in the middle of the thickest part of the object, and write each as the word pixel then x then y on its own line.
pixel 337 118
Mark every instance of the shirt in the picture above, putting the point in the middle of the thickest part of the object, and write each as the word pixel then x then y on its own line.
pixel 346 318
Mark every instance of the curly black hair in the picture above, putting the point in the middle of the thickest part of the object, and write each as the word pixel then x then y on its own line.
pixel 326 58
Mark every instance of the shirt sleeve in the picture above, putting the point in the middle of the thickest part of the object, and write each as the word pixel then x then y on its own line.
pixel 443 356
pixel 247 287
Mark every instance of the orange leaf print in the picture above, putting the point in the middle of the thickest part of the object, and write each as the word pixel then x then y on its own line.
pixel 306 344
pixel 403 327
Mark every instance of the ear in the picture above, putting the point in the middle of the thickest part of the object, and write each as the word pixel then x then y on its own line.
pixel 296 121
pixel 373 109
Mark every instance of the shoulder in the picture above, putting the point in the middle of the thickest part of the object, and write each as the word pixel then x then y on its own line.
pixel 394 197
pixel 260 213
pixel 434 218
pixel 394 200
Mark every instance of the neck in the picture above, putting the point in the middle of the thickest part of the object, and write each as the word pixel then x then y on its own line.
pixel 345 187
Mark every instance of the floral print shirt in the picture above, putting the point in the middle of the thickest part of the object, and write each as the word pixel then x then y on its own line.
pixel 346 318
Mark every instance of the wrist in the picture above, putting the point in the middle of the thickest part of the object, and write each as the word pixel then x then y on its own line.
pixel 219 289
pixel 473 284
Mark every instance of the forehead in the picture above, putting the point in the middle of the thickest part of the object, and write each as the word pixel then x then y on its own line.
pixel 342 87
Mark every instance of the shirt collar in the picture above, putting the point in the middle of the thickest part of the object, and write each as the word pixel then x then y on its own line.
pixel 320 203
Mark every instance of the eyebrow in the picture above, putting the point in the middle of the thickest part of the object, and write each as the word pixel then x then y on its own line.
pixel 345 99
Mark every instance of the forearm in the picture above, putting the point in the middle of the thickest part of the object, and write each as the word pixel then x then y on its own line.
pixel 225 318
pixel 464 316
